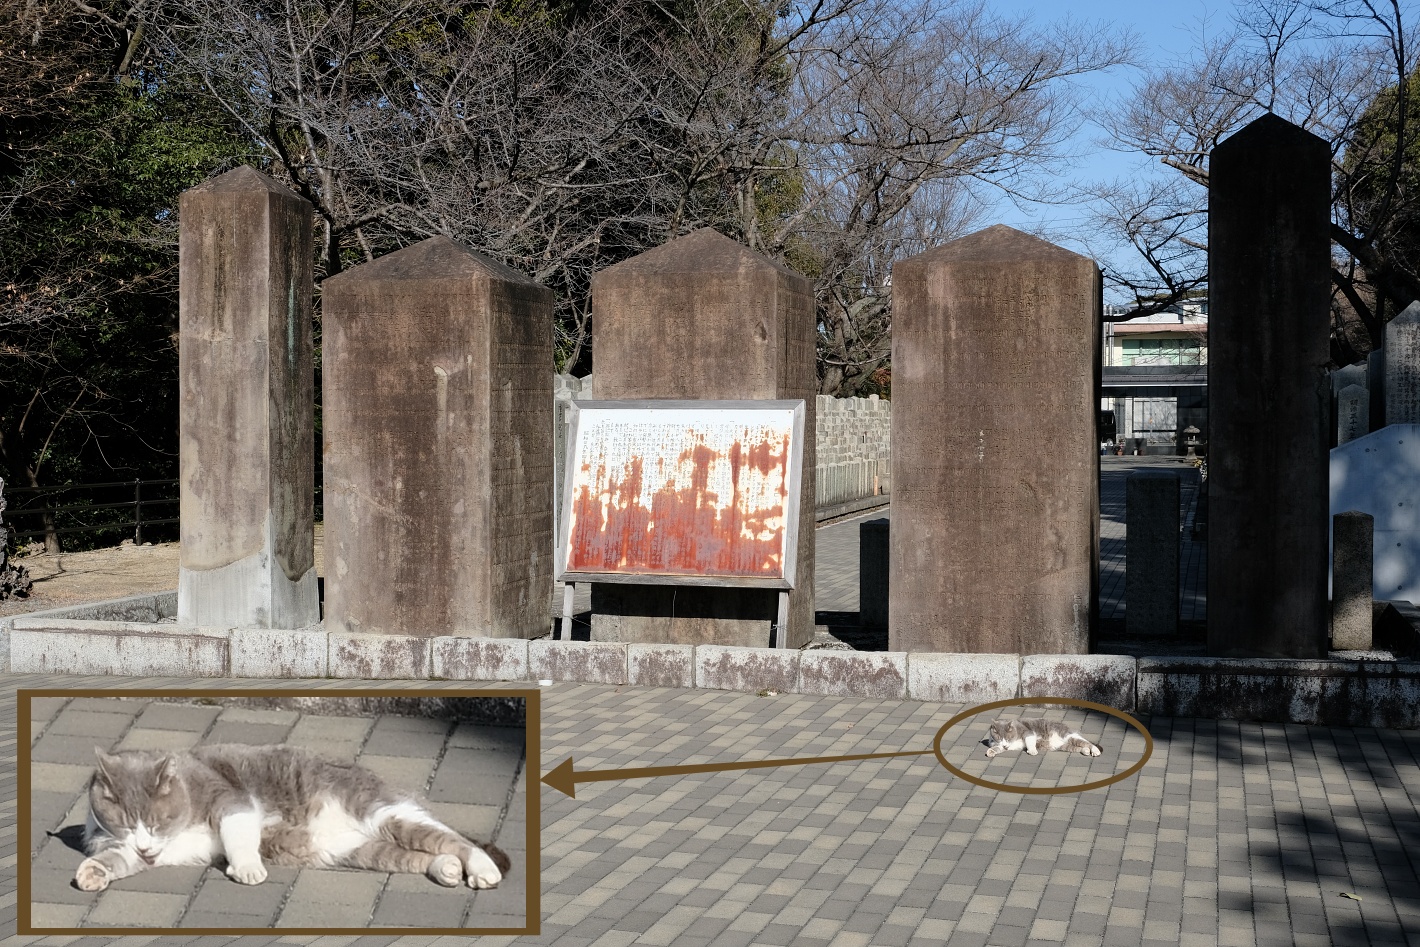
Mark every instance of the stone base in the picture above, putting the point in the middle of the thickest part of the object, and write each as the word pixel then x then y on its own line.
pixel 689 615
pixel 1326 693
pixel 249 593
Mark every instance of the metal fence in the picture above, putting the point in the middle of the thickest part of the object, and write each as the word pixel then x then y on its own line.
pixel 88 508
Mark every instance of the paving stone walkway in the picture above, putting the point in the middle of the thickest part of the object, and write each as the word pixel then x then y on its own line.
pixel 1232 833
pixel 471 775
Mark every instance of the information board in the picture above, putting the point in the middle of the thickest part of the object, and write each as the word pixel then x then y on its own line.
pixel 686 492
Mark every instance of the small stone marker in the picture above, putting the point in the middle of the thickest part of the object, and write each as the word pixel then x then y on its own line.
pixel 246 387
pixel 438 446
pixel 704 317
pixel 873 553
pixel 1151 553
pixel 1269 261
pixel 1353 413
pixel 995 464
pixel 1402 367
pixel 1352 536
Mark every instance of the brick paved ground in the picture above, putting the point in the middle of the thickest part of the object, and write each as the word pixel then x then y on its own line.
pixel 1233 833
pixel 471 775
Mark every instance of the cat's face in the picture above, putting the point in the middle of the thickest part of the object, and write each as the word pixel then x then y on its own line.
pixel 1002 732
pixel 138 795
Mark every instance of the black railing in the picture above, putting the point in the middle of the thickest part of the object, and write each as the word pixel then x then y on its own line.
pixel 73 508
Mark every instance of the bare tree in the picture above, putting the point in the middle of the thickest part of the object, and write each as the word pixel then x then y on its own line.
pixel 832 135
pixel 1320 66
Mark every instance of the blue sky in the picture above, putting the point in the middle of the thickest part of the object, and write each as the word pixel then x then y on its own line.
pixel 1166 31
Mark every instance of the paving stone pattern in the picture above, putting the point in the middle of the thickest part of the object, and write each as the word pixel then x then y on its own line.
pixel 472 776
pixel 1232 834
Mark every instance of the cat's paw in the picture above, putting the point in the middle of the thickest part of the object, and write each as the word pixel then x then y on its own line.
pixel 92 875
pixel 1090 750
pixel 447 870
pixel 992 752
pixel 482 873
pixel 252 873
pixel 1032 751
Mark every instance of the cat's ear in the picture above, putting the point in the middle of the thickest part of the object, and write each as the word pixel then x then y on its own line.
pixel 108 764
pixel 103 776
pixel 163 776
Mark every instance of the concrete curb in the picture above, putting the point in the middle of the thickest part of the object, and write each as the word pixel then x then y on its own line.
pixel 1326 693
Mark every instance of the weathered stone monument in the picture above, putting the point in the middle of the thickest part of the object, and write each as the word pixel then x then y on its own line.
pixel 995 462
pixel 874 551
pixel 1353 413
pixel 438 446
pixel 1352 535
pixel 1269 270
pixel 1151 553
pixel 706 318
pixel 1402 367
pixel 246 409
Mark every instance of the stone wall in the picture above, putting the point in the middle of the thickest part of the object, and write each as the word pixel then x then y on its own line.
pixel 853 438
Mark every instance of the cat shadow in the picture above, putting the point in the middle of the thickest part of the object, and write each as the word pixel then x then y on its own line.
pixel 72 836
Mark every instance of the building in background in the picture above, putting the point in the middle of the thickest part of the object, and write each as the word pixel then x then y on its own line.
pixel 1155 377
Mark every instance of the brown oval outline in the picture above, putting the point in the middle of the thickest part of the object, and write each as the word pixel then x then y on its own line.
pixel 1043 790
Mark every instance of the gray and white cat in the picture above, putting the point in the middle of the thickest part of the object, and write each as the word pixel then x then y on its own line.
pixel 1033 734
pixel 257 805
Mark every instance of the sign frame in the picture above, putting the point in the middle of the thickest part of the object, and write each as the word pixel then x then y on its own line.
pixel 701 410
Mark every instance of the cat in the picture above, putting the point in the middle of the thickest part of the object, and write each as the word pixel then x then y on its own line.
pixel 256 805
pixel 1012 733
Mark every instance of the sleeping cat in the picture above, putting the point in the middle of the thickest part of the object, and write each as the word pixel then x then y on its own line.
pixel 258 805
pixel 1012 733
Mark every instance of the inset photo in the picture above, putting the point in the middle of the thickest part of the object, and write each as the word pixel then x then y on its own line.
pixel 313 811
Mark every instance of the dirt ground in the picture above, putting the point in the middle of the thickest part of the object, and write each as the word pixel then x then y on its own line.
pixel 73 578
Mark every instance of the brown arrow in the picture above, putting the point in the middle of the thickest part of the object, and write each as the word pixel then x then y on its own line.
pixel 564 778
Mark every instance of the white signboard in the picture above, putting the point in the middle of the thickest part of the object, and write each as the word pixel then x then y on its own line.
pixel 691 492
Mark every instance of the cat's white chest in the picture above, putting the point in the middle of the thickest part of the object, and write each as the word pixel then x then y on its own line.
pixel 194 845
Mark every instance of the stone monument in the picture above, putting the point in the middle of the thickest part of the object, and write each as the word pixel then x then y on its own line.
pixel 703 317
pixel 1353 414
pixel 245 380
pixel 1402 367
pixel 874 550
pixel 1352 536
pixel 1269 261
pixel 995 459
pixel 438 446
pixel 1151 553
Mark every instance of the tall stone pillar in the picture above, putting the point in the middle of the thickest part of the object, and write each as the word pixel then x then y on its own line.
pixel 1402 367
pixel 438 446
pixel 1269 262
pixel 1151 553
pixel 246 414
pixel 995 459
pixel 706 318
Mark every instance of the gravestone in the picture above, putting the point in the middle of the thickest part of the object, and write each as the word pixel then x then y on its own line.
pixel 246 396
pixel 995 459
pixel 703 317
pixel 1352 536
pixel 1353 414
pixel 874 545
pixel 1151 553
pixel 1402 367
pixel 438 446
pixel 1269 253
